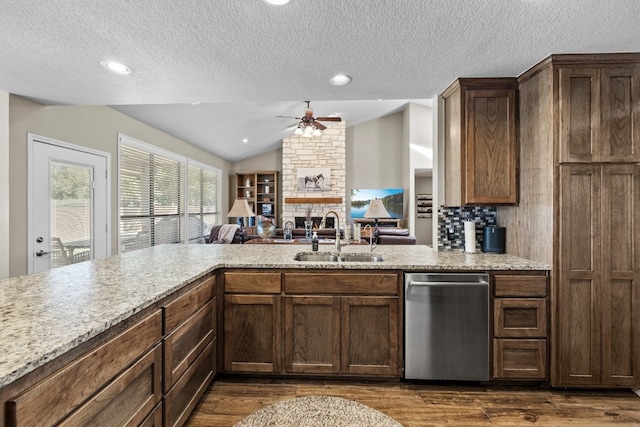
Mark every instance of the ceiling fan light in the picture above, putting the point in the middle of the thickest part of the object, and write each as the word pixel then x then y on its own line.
pixel 316 132
pixel 298 131
pixel 308 131
pixel 276 2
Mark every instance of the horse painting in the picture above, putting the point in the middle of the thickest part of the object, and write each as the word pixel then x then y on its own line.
pixel 314 179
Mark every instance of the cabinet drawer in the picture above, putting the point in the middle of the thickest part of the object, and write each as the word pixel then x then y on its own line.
pixel 184 306
pixel 254 283
pixel 154 419
pixel 374 283
pixel 185 394
pixel 44 404
pixel 520 317
pixel 127 400
pixel 184 344
pixel 519 359
pixel 520 286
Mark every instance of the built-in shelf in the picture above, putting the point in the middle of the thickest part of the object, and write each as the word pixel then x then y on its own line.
pixel 261 190
pixel 424 205
pixel 302 200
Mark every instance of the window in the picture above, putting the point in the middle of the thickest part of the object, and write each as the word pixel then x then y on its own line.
pixel 203 212
pixel 154 197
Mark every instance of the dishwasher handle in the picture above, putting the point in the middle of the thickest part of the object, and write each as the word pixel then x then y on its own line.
pixel 416 283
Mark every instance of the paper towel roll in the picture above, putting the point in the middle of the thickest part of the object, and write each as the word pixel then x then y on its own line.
pixel 470 236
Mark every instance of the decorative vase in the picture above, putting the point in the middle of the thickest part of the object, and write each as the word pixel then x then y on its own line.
pixel 266 229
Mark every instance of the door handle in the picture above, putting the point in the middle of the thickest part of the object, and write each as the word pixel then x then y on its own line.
pixel 41 252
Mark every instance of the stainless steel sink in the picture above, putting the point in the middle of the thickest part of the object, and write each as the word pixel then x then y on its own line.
pixel 316 257
pixel 324 257
pixel 361 258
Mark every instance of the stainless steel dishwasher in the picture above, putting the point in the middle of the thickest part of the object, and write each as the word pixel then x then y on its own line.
pixel 446 330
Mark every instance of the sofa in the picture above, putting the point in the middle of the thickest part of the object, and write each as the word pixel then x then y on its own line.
pixel 386 235
pixel 218 232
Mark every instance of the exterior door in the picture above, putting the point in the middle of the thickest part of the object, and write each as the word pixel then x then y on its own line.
pixel 68 205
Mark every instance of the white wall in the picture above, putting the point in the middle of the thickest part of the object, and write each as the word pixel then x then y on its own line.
pixel 4 185
pixel 419 128
pixel 94 127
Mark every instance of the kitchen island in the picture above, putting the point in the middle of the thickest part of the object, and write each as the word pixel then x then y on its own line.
pixel 47 315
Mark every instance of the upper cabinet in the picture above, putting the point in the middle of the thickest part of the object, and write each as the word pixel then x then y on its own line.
pixel 597 119
pixel 480 142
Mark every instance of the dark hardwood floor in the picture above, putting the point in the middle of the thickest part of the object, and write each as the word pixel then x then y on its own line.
pixel 428 404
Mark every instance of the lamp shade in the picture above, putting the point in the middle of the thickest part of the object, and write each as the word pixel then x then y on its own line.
pixel 376 210
pixel 241 209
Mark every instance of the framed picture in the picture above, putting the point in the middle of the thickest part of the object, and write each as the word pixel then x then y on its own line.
pixel 313 179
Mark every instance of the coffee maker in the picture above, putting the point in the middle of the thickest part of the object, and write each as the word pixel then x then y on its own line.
pixel 493 239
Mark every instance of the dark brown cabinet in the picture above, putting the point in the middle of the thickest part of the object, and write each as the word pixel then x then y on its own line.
pixel 102 386
pixel 600 275
pixel 370 335
pixel 480 142
pixel 320 323
pixel 520 326
pixel 252 321
pixel 578 210
pixel 189 349
pixel 117 377
pixel 599 119
pixel 312 334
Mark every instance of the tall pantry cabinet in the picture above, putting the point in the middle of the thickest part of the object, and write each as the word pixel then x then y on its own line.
pixel 580 172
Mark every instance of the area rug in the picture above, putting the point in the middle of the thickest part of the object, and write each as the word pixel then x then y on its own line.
pixel 318 411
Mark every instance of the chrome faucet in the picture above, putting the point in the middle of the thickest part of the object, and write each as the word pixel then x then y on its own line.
pixel 371 245
pixel 324 217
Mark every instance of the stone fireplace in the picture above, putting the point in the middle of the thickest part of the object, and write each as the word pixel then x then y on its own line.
pixel 325 151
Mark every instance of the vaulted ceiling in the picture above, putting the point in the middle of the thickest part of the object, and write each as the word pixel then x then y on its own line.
pixel 245 61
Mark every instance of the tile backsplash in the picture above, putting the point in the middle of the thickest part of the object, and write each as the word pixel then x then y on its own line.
pixel 451 224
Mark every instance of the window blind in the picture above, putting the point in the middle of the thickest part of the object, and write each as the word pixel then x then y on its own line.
pixel 151 198
pixel 165 197
pixel 203 204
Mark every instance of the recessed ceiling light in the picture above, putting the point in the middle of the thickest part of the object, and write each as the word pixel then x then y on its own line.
pixel 117 67
pixel 245 140
pixel 340 80
pixel 277 2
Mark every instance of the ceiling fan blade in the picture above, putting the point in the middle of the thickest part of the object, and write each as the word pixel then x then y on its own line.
pixel 329 119
pixel 319 125
pixel 289 117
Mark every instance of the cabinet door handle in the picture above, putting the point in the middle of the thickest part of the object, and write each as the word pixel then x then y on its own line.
pixel 41 252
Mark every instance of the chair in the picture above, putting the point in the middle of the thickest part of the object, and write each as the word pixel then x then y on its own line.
pixel 59 254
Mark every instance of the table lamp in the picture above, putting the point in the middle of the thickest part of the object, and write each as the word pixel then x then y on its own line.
pixel 241 209
pixel 376 210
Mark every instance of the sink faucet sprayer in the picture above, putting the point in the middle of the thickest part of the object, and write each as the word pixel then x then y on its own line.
pixel 324 217
pixel 371 245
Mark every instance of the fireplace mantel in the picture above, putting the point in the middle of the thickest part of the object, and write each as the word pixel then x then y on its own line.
pixel 307 200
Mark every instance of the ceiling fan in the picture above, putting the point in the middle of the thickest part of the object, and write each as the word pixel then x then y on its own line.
pixel 309 125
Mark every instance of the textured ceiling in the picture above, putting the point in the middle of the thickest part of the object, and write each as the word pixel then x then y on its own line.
pixel 246 61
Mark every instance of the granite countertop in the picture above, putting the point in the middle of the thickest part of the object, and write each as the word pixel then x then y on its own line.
pixel 44 315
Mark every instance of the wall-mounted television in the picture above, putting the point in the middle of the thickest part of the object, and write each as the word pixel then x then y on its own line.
pixel 392 198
